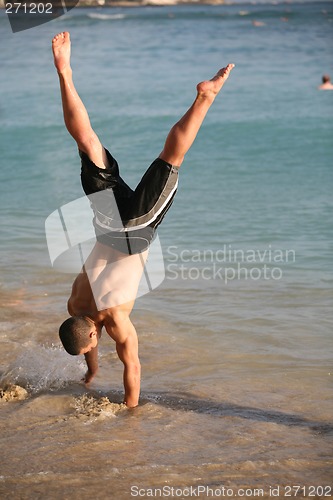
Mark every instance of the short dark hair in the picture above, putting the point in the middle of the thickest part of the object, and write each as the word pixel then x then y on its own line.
pixel 326 78
pixel 74 334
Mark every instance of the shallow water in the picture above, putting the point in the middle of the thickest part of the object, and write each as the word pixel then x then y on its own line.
pixel 236 344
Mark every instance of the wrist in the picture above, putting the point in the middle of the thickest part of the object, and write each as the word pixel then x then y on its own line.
pixel 93 371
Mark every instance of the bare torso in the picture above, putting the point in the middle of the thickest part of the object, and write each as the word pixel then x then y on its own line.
pixel 82 303
pixel 110 280
pixel 326 86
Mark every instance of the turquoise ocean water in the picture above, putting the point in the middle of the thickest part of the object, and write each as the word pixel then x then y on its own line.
pixel 236 344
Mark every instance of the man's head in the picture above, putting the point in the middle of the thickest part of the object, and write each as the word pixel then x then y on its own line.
pixel 326 79
pixel 78 335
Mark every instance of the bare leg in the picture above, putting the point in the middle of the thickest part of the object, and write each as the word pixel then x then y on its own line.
pixel 75 114
pixel 183 133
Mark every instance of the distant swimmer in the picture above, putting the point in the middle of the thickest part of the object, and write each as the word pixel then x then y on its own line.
pixel 327 84
pixel 104 292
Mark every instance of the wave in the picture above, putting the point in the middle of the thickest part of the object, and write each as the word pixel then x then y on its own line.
pixel 247 11
pixel 105 17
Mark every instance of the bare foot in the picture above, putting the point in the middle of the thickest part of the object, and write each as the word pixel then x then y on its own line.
pixel 210 88
pixel 61 47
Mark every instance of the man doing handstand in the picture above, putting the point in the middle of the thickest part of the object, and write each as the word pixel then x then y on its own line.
pixel 125 221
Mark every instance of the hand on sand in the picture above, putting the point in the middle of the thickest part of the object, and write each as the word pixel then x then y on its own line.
pixel 88 377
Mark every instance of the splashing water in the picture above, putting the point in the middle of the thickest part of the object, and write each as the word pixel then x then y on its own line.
pixel 40 368
pixel 95 407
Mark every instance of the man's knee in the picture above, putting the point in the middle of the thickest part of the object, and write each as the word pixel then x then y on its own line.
pixel 89 143
pixel 172 158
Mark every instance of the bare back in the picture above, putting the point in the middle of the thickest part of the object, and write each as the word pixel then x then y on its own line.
pixel 108 279
pixel 81 301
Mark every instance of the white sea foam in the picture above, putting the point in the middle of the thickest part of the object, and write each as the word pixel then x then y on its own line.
pixel 96 407
pixel 39 368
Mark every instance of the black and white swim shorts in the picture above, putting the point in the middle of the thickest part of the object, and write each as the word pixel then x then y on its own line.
pixel 125 219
